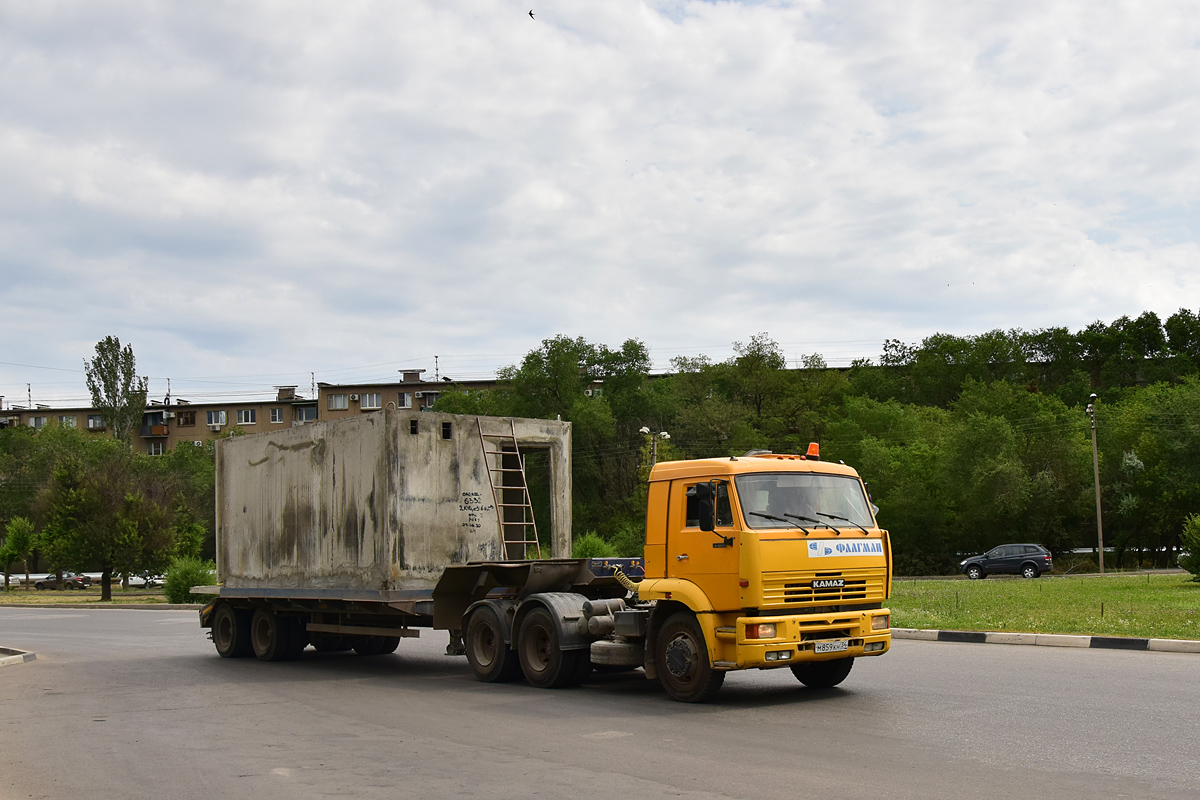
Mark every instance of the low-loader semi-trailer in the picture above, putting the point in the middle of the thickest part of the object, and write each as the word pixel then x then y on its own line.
pixel 354 534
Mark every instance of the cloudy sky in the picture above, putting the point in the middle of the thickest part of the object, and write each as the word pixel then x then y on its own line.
pixel 251 192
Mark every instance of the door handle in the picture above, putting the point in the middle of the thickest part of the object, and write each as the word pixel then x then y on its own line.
pixel 682 557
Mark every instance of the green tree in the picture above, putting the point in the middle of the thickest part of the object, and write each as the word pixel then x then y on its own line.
pixel 117 391
pixel 19 542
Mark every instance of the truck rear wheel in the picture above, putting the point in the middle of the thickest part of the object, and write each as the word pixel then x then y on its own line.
pixel 683 665
pixel 376 645
pixel 231 632
pixel 823 674
pixel 490 657
pixel 545 664
pixel 270 635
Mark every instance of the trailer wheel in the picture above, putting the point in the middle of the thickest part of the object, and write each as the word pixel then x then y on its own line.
pixel 231 632
pixel 375 645
pixel 545 664
pixel 329 642
pixel 270 635
pixel 823 674
pixel 490 657
pixel 298 637
pixel 682 659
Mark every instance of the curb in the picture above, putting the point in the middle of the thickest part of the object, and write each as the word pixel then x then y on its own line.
pixel 9 656
pixel 1050 640
pixel 148 606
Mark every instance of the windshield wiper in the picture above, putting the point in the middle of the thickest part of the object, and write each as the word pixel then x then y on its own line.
pixel 810 519
pixel 778 519
pixel 844 519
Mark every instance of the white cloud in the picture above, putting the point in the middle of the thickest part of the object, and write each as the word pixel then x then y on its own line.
pixel 270 187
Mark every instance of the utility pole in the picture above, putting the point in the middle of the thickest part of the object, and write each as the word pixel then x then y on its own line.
pixel 1091 412
pixel 654 443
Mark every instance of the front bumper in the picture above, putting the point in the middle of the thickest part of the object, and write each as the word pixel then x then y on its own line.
pixel 797 638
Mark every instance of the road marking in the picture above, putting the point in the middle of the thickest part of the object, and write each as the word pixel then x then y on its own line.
pixel 606 735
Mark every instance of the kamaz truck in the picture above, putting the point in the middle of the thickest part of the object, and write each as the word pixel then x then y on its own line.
pixel 355 534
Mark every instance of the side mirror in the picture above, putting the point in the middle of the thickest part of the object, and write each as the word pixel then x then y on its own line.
pixel 706 506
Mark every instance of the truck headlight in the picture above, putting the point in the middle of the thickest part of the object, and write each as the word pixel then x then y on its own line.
pixel 880 622
pixel 760 630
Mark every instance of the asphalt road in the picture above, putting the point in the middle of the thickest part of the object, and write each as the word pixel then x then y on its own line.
pixel 133 703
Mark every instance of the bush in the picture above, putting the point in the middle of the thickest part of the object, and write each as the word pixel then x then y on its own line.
pixel 629 541
pixel 590 545
pixel 1189 546
pixel 183 574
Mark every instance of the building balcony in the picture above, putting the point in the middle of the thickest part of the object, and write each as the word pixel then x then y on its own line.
pixel 155 431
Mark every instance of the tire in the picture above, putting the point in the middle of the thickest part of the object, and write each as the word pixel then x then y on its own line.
pixel 1029 571
pixel 545 664
pixel 329 642
pixel 270 635
pixel 231 632
pixel 975 572
pixel 491 659
pixel 682 658
pixel 823 674
pixel 375 645
pixel 298 637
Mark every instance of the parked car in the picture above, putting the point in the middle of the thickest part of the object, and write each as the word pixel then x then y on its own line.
pixel 70 580
pixel 1026 560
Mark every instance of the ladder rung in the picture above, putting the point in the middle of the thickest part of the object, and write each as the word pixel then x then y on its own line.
pixel 506 469
pixel 501 452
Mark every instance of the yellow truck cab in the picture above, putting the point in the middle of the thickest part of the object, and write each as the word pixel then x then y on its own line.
pixel 762 561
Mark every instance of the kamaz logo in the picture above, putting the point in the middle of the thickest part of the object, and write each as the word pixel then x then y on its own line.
pixel 829 583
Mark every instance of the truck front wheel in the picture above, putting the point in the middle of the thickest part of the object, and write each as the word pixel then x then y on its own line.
pixel 682 658
pixel 545 664
pixel 823 674
pixel 231 632
pixel 489 656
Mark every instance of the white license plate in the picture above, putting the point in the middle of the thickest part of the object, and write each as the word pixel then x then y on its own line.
pixel 836 646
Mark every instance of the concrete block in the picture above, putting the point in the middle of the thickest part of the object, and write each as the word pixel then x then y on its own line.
pixel 1062 640
pixel 1174 645
pixel 914 633
pixel 1012 638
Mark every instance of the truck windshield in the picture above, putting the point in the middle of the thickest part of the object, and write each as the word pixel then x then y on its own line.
pixel 835 501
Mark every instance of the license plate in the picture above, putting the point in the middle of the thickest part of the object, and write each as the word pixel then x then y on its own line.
pixel 835 646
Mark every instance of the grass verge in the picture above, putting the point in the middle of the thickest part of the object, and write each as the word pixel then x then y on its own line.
pixel 1150 606
pixel 33 597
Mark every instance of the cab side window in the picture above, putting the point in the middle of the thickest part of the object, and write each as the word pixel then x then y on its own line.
pixel 724 511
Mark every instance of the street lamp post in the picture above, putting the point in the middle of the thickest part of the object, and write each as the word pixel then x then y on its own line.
pixel 1091 412
pixel 654 443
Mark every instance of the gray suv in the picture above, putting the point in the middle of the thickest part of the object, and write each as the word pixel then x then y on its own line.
pixel 1026 560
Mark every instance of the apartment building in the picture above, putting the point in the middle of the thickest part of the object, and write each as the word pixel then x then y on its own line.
pixel 168 423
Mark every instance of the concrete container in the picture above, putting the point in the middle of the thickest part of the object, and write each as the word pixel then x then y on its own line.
pixel 382 501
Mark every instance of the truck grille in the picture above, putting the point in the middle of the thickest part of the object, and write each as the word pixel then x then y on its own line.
pixel 791 588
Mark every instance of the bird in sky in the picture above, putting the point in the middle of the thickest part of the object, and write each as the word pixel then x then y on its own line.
pixel 531 14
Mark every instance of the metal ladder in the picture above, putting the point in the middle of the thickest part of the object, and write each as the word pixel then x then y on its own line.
pixel 513 533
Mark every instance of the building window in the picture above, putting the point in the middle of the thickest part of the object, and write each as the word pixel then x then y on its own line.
pixel 37 422
pixel 404 400
pixel 338 402
pixel 185 419
pixel 446 430
pixel 246 416
pixel 95 422
pixel 276 415
pixel 372 401
pixel 67 421
pixel 216 417
pixel 306 413
pixel 154 448
pixel 412 426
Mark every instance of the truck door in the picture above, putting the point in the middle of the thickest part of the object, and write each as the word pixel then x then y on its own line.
pixel 703 557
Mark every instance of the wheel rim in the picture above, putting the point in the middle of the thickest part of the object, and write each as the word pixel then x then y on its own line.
pixel 484 645
pixel 224 631
pixel 537 646
pixel 681 658
pixel 262 633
